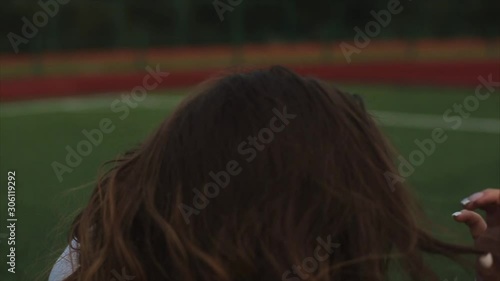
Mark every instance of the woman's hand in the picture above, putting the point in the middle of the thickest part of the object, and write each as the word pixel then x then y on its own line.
pixel 486 233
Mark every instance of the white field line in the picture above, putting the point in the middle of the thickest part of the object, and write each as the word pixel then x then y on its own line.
pixel 431 121
pixel 385 118
pixel 71 105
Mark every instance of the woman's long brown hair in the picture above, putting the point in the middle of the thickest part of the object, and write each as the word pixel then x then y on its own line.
pixel 256 177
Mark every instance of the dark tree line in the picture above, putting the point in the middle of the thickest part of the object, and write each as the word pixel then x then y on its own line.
pixel 82 24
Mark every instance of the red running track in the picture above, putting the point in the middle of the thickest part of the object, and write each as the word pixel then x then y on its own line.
pixel 464 74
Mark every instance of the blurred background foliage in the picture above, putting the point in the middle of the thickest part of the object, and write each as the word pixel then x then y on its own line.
pixel 109 24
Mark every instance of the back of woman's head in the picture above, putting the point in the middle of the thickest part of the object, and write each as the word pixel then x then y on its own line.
pixel 263 175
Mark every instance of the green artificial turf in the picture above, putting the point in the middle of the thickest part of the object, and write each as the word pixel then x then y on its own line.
pixel 34 134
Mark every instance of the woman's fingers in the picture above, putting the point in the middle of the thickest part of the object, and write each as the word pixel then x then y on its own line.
pixel 489 263
pixel 488 200
pixel 490 273
pixel 473 220
pixel 489 241
pixel 482 200
pixel 486 233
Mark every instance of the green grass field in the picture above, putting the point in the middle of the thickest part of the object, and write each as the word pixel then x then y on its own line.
pixel 34 134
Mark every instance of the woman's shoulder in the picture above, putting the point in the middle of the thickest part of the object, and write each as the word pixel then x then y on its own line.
pixel 66 264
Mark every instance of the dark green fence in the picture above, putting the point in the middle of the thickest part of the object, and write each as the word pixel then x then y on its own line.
pixel 96 24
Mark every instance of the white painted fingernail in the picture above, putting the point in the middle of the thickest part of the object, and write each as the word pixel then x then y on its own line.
pixel 465 201
pixel 472 198
pixel 456 214
pixel 486 261
pixel 475 196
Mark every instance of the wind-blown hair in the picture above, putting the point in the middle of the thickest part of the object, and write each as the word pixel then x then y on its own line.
pixel 261 175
